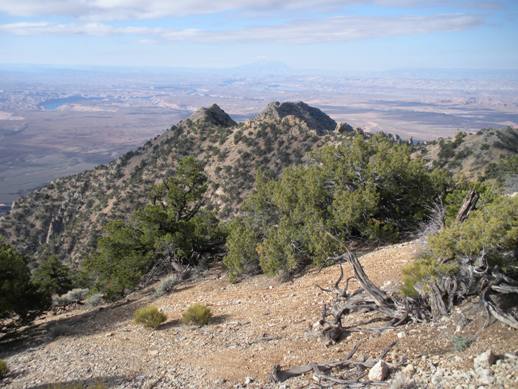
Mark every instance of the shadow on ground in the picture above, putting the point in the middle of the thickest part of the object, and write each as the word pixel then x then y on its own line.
pixel 103 319
pixel 90 383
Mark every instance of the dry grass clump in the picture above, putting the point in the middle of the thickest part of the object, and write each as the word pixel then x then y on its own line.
pixel 198 314
pixel 3 368
pixel 149 317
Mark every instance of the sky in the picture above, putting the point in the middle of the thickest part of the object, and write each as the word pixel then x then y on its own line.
pixel 326 34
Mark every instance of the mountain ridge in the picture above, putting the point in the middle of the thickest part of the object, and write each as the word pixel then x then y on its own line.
pixel 66 216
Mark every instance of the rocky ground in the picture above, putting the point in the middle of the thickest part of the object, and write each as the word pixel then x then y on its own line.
pixel 257 323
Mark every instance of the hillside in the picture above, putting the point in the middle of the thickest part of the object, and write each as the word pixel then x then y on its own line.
pixel 257 323
pixel 474 155
pixel 410 311
pixel 65 216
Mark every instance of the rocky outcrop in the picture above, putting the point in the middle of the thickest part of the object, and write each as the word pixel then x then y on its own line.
pixel 343 128
pixel 313 117
pixel 213 115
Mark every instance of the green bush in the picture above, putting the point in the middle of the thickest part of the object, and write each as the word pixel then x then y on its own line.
pixel 503 171
pixel 198 314
pixel 423 271
pixel 17 294
pixel 492 229
pixel 149 317
pixel 52 277
pixel 363 189
pixel 121 259
pixel 241 247
pixel 457 194
pixel 172 225
pixel 3 369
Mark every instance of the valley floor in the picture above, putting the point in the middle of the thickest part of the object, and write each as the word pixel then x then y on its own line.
pixel 257 323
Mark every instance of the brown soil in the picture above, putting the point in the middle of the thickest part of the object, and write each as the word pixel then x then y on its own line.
pixel 257 323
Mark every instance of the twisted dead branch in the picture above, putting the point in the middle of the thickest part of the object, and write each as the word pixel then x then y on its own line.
pixel 350 371
pixel 434 299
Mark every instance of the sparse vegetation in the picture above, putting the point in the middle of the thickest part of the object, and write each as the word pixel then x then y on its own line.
pixel 197 314
pixel 461 343
pixel 94 299
pixel 3 369
pixel 73 296
pixel 149 317
pixel 166 285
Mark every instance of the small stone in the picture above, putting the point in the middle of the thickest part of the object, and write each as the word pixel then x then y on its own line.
pixel 484 360
pixel 437 378
pixel 485 376
pixel 317 326
pixel 109 334
pixel 379 371
pixel 248 380
pixel 401 334
pixel 409 370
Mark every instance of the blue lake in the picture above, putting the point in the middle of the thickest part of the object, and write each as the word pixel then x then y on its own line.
pixel 52 104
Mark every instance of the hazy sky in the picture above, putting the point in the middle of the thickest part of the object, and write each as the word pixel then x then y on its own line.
pixel 326 34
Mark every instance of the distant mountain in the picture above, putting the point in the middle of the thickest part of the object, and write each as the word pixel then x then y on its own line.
pixel 263 68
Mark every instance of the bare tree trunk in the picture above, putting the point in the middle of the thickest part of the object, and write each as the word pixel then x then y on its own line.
pixel 469 204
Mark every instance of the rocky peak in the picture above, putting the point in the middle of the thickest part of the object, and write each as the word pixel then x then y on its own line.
pixel 312 116
pixel 213 115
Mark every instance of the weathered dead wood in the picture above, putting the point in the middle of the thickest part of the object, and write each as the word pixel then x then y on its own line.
pixel 469 204
pixel 494 310
pixel 435 298
pixel 279 375
pixel 322 372
pixel 367 298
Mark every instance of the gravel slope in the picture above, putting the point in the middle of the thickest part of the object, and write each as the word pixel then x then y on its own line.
pixel 257 323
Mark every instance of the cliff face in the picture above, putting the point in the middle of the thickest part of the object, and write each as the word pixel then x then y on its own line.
pixel 65 217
